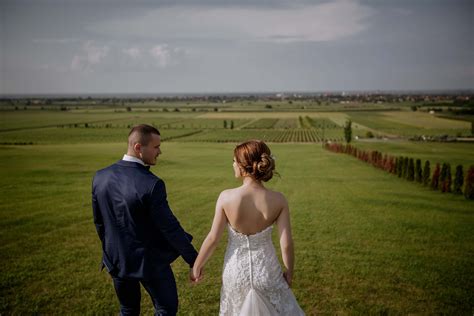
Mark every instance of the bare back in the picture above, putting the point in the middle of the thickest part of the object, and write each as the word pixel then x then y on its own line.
pixel 251 209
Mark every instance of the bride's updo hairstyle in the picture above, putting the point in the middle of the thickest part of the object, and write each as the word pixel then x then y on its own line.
pixel 255 160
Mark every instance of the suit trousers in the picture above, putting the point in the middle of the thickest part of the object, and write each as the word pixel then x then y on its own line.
pixel 161 288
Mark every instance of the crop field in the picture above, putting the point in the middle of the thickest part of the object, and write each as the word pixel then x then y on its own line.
pixel 424 120
pixel 366 242
pixel 286 124
pixel 268 135
pixel 410 124
pixel 67 135
pixel 262 123
pixel 110 127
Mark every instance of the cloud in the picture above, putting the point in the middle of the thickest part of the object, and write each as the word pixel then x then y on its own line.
pixel 133 52
pixel 403 12
pixel 115 57
pixel 51 68
pixel 55 40
pixel 161 54
pixel 311 23
pixel 90 56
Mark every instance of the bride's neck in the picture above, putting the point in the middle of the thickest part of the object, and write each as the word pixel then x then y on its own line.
pixel 248 181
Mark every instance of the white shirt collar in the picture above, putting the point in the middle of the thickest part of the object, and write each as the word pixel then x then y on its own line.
pixel 133 159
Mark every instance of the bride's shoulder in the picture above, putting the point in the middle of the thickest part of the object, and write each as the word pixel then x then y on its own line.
pixel 226 198
pixel 278 198
pixel 228 193
pixel 276 195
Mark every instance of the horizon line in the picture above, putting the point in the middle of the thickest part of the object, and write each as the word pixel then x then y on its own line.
pixel 283 92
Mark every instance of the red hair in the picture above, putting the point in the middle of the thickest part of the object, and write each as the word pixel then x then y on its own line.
pixel 255 159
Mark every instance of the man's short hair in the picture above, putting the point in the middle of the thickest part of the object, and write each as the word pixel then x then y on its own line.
pixel 142 134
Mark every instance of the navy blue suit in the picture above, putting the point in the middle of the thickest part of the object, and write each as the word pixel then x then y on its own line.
pixel 140 236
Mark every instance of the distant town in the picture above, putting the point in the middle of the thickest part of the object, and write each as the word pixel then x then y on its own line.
pixel 450 98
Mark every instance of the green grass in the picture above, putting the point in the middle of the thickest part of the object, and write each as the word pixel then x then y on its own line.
pixel 66 135
pixel 322 123
pixel 262 124
pixel 366 241
pixel 424 120
pixel 410 124
pixel 33 119
pixel 452 153
pixel 204 123
pixel 286 124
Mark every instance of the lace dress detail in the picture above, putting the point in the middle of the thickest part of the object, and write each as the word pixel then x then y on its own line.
pixel 252 278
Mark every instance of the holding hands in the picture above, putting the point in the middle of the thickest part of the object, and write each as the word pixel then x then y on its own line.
pixel 196 275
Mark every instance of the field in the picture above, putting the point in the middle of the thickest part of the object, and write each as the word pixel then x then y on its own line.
pixel 410 124
pixel 366 242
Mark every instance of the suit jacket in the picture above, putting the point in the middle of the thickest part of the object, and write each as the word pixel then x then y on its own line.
pixel 139 233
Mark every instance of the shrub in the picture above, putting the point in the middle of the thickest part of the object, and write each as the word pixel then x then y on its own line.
pixel 354 152
pixel 400 161
pixel 380 160
pixel 469 184
pixel 447 180
pixel 411 170
pixel 435 177
pixel 393 165
pixel 458 180
pixel 348 131
pixel 426 173
pixel 442 177
pixel 405 168
pixel 418 175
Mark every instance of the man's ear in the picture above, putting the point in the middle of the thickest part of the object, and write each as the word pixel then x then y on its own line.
pixel 137 148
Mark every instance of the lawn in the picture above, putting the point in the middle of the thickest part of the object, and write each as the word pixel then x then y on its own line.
pixel 410 124
pixel 452 153
pixel 366 242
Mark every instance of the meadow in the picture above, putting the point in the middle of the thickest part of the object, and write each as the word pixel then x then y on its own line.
pixel 398 123
pixel 366 241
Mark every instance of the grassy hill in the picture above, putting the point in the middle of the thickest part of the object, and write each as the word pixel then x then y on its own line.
pixel 366 241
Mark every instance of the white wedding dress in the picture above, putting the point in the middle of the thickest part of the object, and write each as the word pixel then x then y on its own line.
pixel 253 282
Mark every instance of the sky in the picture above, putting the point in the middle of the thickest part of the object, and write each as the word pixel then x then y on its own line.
pixel 219 46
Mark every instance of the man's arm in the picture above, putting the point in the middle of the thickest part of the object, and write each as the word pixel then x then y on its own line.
pixel 164 219
pixel 98 221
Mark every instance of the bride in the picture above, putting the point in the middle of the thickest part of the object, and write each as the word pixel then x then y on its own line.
pixel 253 282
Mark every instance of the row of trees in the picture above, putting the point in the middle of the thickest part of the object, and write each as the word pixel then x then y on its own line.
pixel 410 169
pixel 229 125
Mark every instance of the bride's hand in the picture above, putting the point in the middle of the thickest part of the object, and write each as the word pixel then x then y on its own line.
pixel 192 279
pixel 196 275
pixel 288 277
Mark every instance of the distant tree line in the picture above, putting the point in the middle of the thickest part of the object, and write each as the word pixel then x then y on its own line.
pixel 441 179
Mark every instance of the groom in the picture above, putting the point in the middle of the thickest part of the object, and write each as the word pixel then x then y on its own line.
pixel 140 236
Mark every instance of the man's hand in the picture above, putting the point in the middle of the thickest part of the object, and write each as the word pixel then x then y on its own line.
pixel 196 275
pixel 191 276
